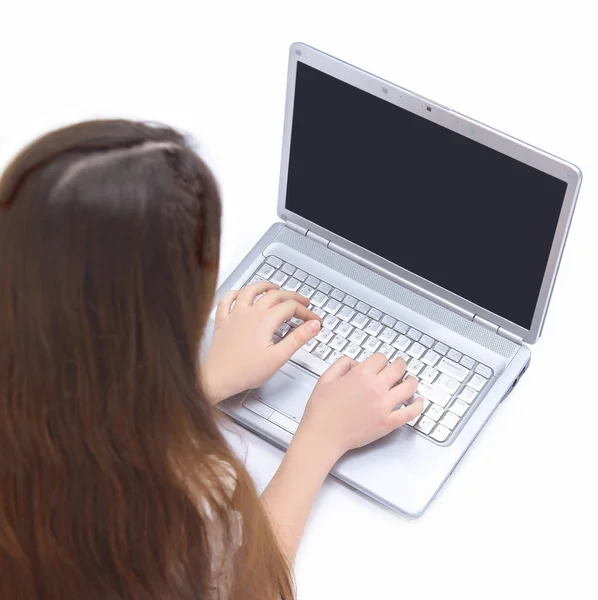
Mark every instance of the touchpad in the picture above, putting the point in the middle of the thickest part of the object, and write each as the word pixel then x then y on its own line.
pixel 288 392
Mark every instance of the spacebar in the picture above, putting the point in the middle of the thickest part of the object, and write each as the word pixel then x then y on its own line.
pixel 309 361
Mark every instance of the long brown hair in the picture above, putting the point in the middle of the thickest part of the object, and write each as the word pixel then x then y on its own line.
pixel 114 477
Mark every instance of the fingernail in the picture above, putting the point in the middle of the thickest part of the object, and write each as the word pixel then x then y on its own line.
pixel 313 326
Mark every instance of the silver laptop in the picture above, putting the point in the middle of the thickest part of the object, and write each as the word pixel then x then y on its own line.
pixel 417 232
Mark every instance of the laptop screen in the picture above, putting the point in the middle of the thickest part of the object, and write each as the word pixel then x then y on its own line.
pixel 462 215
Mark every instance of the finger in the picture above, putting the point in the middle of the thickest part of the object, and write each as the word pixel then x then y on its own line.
pixel 403 392
pixel 403 415
pixel 393 373
pixel 375 363
pixel 287 310
pixel 295 339
pixel 223 308
pixel 277 296
pixel 249 293
pixel 341 367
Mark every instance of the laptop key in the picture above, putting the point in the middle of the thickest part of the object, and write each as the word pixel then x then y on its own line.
pixel 451 368
pixel 332 306
pixel 434 412
pixel 477 382
pixel 310 361
pixel 283 329
pixel 309 346
pixel 337 294
pixel 300 275
pixel 358 336
pixel 416 350
pixel 425 424
pixel 322 351
pixel 388 335
pixel 467 395
pixel 324 287
pixel 483 370
pixel 338 342
pixel 274 261
pixel 447 383
pixel 350 301
pixel 330 321
pixel 334 356
pixel 352 350
pixel 279 278
pixel 374 313
pixel 433 393
pixel 364 356
pixel 401 327
pixel 429 374
pixel 414 366
pixel 427 341
pixel 441 348
pixel 359 320
pixel 266 271
pixel 467 362
pixel 292 285
pixel 372 344
pixel 255 279
pixel 430 358
pixel 324 335
pixel 400 354
pixel 450 419
pixel 440 433
pixel 414 334
pixel 306 291
pixel 362 307
pixel 454 355
pixel 346 313
pixel 312 281
pixel 387 350
pixel 319 299
pixel 459 407
pixel 373 327
pixel 288 269
pixel 402 343
pixel 344 329
pixel 388 321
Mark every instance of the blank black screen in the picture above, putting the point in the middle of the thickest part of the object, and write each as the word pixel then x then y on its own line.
pixel 463 216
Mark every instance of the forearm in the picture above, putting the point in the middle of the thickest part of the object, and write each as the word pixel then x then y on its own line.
pixel 292 492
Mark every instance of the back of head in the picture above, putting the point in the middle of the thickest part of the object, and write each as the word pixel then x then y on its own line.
pixel 109 487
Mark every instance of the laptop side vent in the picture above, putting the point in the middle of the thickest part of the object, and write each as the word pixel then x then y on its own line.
pixel 396 292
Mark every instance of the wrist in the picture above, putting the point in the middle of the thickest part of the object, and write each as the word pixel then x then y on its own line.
pixel 212 389
pixel 316 448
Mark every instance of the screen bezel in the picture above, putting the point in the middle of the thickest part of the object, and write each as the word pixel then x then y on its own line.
pixel 458 123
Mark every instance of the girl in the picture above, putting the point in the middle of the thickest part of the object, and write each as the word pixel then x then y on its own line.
pixel 115 480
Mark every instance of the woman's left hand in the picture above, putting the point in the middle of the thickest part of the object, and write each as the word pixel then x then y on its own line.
pixel 242 354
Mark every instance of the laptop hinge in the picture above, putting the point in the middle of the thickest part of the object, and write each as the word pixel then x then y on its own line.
pixel 510 336
pixel 317 238
pixel 295 227
pixel 487 324
pixel 496 329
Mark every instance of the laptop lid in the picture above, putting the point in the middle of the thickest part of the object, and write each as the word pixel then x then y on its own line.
pixel 463 213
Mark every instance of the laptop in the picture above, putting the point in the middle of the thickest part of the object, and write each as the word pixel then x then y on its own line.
pixel 417 232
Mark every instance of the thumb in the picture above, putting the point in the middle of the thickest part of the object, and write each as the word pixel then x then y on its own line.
pixel 296 338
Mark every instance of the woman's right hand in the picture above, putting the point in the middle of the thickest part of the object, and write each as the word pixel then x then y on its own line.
pixel 354 404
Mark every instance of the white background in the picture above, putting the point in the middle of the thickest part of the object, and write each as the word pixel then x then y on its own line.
pixel 518 517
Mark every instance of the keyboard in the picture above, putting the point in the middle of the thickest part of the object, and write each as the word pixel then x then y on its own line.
pixel 449 381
